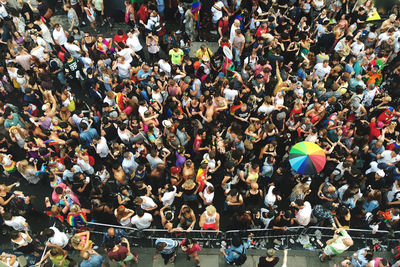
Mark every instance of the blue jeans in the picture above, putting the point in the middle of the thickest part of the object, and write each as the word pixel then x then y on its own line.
pixel 236 58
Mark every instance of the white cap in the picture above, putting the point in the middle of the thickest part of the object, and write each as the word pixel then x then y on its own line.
pixel 381 173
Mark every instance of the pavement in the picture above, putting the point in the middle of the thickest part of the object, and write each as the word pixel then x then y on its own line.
pixel 212 258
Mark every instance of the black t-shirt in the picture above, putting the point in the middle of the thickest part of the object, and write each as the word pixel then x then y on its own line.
pixel 27 9
pixel 35 28
pixel 5 36
pixel 242 114
pixel 264 263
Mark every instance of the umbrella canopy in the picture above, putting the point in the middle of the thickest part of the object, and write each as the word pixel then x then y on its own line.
pixel 307 158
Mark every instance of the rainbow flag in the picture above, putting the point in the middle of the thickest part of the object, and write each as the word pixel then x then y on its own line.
pixel 77 219
pixel 50 142
pixel 196 6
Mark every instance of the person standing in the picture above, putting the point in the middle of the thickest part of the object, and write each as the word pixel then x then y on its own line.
pixel 340 242
pixel 167 248
pixel 191 247
pixel 121 253
pixel 92 259
pixel 100 12
pixel 268 261
pixel 232 254
pixel 238 45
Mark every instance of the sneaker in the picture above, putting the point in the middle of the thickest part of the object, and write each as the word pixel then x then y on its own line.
pixel 178 32
pixel 95 247
pixel 223 245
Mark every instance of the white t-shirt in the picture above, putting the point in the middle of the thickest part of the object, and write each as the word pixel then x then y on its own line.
pixel 60 36
pixel 134 43
pixel 169 197
pixel 209 197
pixel 321 71
pixel 73 49
pixel 303 216
pixel 60 239
pixel 230 94
pixel 129 164
pixel 142 110
pixel 270 198
pixel 38 52
pixel 387 157
pixel 266 110
pixel 148 204
pixel 17 223
pixel 142 222
pixel 102 148
pixel 127 54
pixel 123 69
pixel 216 9
pixel 356 48
pixel 266 221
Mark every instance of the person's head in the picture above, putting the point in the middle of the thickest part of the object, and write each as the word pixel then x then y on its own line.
pixel 299 203
pixel 47 233
pixel 325 63
pixel 140 212
pixel 160 246
pixel 85 255
pixel 270 253
pixel 211 210
pixel 138 201
pixel 76 241
pixel 111 232
pixel 236 240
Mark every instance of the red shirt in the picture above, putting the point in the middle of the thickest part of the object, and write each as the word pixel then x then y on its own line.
pixel 119 39
pixel 143 13
pixel 118 255
pixel 374 132
pixel 260 31
pixel 197 144
pixel 224 24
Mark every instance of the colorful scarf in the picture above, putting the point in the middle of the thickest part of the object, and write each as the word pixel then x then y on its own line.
pixel 77 219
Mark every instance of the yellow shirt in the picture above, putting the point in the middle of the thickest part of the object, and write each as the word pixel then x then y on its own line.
pixel 200 54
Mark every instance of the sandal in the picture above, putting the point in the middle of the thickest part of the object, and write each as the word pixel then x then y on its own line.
pixel 320 257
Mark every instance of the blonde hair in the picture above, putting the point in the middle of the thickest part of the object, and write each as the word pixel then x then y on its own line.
pixel 301 188
pixel 188 183
pixel 75 240
pixel 211 210
pixel 22 166
pixel 19 130
pixel 75 208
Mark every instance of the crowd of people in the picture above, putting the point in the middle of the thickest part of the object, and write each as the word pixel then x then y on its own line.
pixel 138 129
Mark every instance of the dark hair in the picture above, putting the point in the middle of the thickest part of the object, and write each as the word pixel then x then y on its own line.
pixel 236 240
pixel 48 232
pixel 299 202
pixel 14 234
pixel 140 212
pixel 7 216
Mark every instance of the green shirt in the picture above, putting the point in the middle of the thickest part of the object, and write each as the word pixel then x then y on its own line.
pixel 14 122
pixel 176 57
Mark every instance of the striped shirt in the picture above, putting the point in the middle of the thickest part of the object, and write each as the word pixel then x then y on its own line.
pixel 171 245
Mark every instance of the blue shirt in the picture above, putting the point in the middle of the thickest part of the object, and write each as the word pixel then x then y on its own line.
pixel 87 136
pixel 171 245
pixel 119 234
pixel 95 260
pixel 232 252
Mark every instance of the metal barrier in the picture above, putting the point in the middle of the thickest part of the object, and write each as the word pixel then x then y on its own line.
pixel 263 238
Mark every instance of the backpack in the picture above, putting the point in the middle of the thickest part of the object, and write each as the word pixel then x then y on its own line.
pixel 242 257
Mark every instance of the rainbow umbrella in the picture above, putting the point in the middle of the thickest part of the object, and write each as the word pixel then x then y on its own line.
pixel 307 158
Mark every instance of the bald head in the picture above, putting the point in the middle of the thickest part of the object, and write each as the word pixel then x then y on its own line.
pixel 111 232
